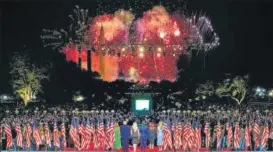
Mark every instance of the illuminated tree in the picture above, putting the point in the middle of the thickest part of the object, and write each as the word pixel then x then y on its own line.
pixel 77 97
pixel 26 78
pixel 235 89
pixel 206 89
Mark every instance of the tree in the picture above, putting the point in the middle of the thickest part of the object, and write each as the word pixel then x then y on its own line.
pixel 235 89
pixel 26 78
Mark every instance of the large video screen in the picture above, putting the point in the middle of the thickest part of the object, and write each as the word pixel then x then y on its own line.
pixel 142 104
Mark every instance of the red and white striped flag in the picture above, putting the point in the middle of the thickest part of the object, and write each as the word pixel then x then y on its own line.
pixel 56 136
pixel 73 133
pixel 36 134
pixel 207 133
pixel 110 134
pixel 28 135
pixel 229 134
pixel 63 134
pixel 101 135
pixel 237 136
pixel 218 131
pixel 7 131
pixel 188 137
pixel 167 136
pixel 19 135
pixel 265 136
pixel 95 137
pixel 47 135
pixel 177 136
pixel 256 132
pixel 88 135
pixel 82 134
pixel 197 135
pixel 247 136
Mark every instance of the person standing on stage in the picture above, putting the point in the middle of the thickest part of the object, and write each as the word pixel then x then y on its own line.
pixel 125 135
pixel 144 133
pixel 135 136
pixel 117 144
pixel 160 135
pixel 152 134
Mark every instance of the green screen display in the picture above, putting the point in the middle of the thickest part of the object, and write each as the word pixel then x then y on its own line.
pixel 141 103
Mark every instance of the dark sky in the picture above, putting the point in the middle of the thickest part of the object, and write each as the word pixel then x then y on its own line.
pixel 244 27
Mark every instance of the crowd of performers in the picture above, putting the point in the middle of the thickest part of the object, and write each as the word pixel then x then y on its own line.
pixel 168 130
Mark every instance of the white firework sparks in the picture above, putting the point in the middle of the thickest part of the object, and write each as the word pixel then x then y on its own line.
pixel 79 25
pixel 77 32
pixel 54 38
pixel 202 35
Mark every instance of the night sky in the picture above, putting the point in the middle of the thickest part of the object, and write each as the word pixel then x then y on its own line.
pixel 244 27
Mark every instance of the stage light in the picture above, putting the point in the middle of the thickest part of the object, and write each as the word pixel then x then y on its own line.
pixel 173 54
pixel 159 49
pixel 123 49
pixel 158 55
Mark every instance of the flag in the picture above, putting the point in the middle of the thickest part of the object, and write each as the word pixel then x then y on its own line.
pixel 197 136
pixel 247 136
pixel 177 136
pixel 188 137
pixel 36 134
pixel 237 136
pixel 101 134
pixel 63 134
pixel 42 134
pixel 110 134
pixel 207 133
pixel 256 132
pixel 19 135
pixel 167 136
pixel 47 135
pixel 73 133
pixel 82 133
pixel 88 135
pixel 217 131
pixel 28 135
pixel 229 134
pixel 265 136
pixel 56 135
pixel 7 131
pixel 95 135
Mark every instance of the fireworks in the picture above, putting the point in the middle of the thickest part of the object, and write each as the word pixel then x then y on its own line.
pixel 143 49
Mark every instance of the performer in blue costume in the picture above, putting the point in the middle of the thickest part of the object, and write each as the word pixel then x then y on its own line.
pixel 125 132
pixel 144 133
